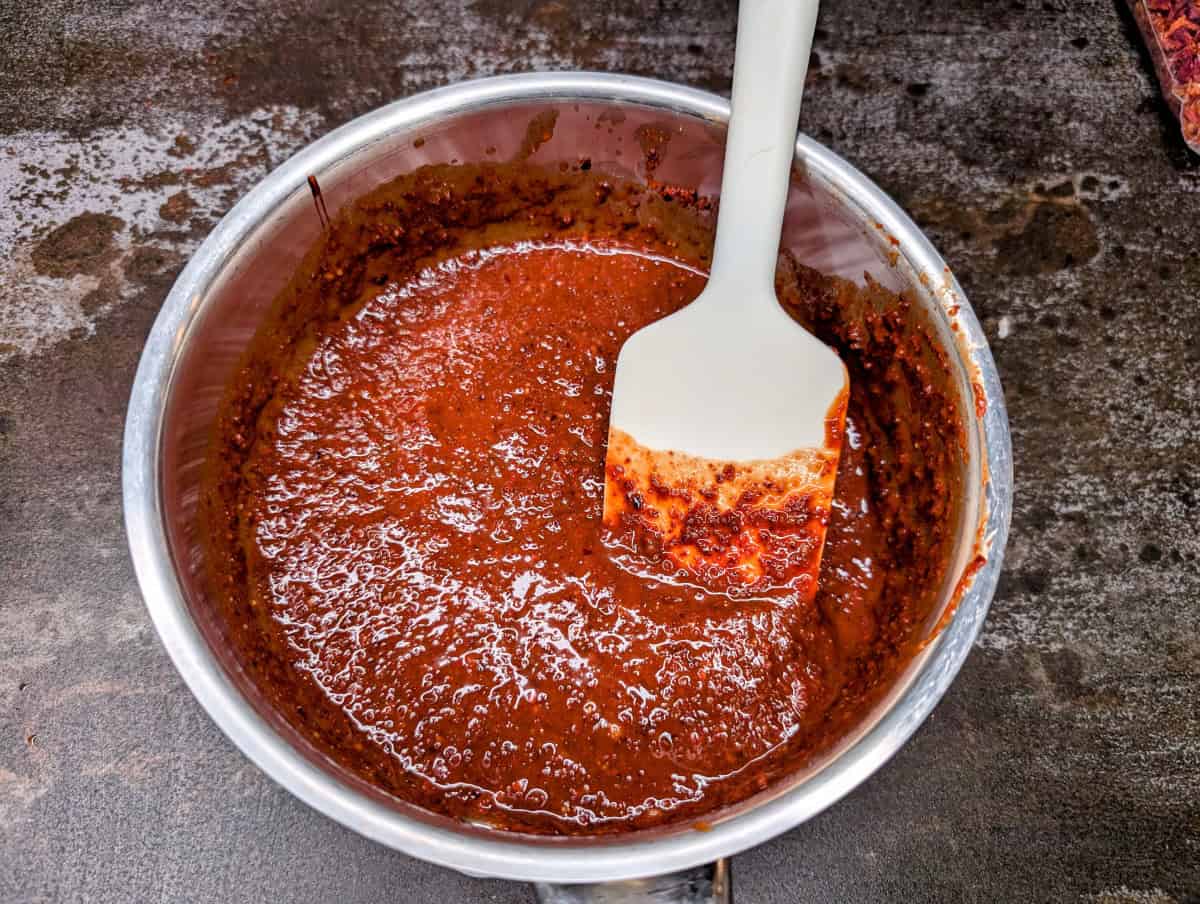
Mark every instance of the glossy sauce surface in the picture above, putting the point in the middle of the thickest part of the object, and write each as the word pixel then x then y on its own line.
pixel 418 516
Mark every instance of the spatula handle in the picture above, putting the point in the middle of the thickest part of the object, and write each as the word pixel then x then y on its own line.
pixel 774 41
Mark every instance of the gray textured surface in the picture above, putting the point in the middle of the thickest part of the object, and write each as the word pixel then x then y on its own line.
pixel 1027 137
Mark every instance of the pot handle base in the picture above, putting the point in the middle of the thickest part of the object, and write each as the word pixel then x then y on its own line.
pixel 707 884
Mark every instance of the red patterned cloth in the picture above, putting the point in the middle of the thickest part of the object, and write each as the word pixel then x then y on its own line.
pixel 1171 29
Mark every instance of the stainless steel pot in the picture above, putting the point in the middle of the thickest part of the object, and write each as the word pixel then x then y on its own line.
pixel 837 221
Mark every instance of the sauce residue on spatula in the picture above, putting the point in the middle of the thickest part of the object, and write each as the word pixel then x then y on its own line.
pixel 739 527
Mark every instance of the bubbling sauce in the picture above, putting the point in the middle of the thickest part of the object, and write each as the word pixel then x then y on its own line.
pixel 405 515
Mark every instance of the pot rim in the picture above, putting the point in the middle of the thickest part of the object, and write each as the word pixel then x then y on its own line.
pixel 508 856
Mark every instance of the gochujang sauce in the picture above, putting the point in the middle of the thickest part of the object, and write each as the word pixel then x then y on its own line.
pixel 404 511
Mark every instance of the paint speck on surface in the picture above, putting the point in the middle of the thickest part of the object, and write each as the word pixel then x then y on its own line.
pixel 1125 895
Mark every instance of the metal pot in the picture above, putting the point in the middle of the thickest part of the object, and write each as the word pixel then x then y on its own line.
pixel 838 221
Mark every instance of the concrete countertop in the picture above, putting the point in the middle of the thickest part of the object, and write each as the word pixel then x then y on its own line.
pixel 1027 137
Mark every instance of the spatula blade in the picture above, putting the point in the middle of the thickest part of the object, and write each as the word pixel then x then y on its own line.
pixel 723 446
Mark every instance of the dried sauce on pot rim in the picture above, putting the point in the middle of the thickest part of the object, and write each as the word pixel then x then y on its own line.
pixel 403 509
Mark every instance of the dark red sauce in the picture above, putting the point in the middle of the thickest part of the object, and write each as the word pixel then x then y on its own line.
pixel 405 505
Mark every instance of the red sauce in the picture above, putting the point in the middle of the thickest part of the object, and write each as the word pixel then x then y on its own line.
pixel 406 518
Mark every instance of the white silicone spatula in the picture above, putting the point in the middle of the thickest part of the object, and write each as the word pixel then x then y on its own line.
pixel 730 395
